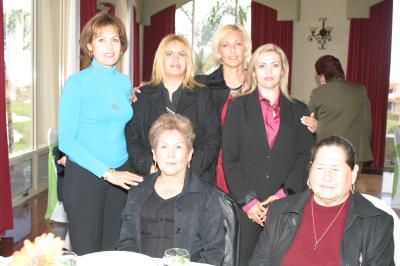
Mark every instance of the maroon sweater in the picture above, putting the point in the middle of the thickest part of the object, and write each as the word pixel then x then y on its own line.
pixel 301 251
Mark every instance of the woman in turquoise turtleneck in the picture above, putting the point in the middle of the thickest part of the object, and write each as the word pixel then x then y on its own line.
pixel 94 108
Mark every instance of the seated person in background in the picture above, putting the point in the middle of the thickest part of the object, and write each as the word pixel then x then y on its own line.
pixel 328 224
pixel 173 207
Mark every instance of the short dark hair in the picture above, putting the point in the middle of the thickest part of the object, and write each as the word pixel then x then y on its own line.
pixel 339 142
pixel 330 67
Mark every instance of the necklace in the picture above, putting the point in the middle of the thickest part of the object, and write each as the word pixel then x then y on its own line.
pixel 114 105
pixel 316 241
pixel 236 91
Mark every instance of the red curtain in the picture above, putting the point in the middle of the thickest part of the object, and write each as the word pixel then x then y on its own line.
pixel 369 64
pixel 88 10
pixel 6 216
pixel 135 48
pixel 162 23
pixel 265 28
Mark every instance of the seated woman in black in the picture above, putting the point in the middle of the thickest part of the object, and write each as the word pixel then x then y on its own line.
pixel 173 207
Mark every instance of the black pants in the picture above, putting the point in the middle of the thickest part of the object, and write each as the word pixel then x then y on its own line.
pixel 93 208
pixel 249 232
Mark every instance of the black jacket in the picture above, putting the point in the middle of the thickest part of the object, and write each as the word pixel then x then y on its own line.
pixel 218 88
pixel 252 169
pixel 368 232
pixel 198 219
pixel 195 104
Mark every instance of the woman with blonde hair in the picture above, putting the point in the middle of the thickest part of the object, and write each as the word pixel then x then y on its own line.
pixel 173 90
pixel 231 51
pixel 94 109
pixel 265 146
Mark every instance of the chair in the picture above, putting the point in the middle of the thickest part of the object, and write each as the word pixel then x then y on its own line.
pixel 232 231
pixel 396 184
pixel 52 181
pixel 55 209
pixel 396 228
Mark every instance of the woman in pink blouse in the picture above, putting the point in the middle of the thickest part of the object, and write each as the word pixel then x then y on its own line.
pixel 265 147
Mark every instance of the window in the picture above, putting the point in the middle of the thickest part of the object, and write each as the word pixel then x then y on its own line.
pixel 32 60
pixel 18 58
pixel 209 16
pixel 393 111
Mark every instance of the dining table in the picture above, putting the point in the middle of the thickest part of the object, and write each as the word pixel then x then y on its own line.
pixel 114 258
pixel 123 258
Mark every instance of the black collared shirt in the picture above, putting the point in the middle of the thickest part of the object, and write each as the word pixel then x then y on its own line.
pixel 171 105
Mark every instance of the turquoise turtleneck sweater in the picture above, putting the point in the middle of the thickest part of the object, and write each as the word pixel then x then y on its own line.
pixel 93 110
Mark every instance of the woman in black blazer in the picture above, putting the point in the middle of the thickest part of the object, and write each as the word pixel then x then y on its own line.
pixel 172 89
pixel 265 148
pixel 231 51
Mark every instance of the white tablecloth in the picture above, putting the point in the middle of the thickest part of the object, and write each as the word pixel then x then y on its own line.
pixel 122 258
pixel 4 260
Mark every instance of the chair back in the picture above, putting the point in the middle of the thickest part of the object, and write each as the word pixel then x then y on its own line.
pixel 396 183
pixel 232 231
pixel 380 204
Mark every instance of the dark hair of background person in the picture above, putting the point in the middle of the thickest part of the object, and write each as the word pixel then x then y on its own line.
pixel 330 67
pixel 93 28
pixel 339 142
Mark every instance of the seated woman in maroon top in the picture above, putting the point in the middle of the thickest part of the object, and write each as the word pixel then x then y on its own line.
pixel 328 224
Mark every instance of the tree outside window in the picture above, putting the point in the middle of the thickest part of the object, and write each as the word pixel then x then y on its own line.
pixel 18 61
pixel 209 16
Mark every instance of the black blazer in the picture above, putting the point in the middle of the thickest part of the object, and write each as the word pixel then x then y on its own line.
pixel 218 88
pixel 195 104
pixel 251 168
pixel 198 219
pixel 368 233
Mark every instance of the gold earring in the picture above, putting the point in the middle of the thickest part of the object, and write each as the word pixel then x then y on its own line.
pixel 308 184
pixel 90 53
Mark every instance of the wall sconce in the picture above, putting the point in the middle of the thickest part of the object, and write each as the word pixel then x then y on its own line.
pixel 323 35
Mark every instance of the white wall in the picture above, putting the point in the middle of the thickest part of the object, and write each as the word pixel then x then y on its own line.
pixel 305 53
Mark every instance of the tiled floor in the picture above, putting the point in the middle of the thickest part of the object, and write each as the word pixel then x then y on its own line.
pixel 29 219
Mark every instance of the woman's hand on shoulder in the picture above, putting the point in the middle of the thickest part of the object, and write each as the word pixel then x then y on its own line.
pixel 123 179
pixel 136 90
pixel 310 122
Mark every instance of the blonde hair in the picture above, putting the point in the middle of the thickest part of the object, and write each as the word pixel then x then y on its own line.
pixel 158 72
pixel 221 33
pixel 168 122
pixel 93 28
pixel 251 81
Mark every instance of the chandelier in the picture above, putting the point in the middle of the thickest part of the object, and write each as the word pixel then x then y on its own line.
pixel 323 35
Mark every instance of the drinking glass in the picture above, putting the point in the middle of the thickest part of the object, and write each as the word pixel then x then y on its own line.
pixel 68 258
pixel 176 257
